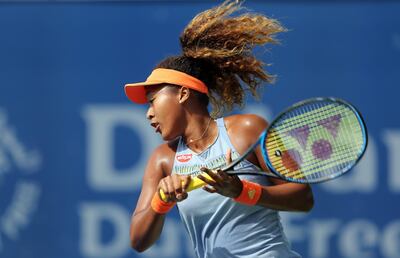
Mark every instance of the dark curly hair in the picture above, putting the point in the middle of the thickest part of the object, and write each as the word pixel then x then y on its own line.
pixel 218 50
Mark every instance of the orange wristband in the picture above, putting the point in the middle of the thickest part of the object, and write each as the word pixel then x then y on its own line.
pixel 160 206
pixel 251 193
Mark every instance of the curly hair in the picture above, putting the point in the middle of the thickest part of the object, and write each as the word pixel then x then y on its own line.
pixel 218 50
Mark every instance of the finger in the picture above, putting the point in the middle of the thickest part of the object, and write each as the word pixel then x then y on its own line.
pixel 185 182
pixel 223 174
pixel 209 189
pixel 164 188
pixel 217 178
pixel 206 180
pixel 177 184
pixel 228 156
pixel 169 188
pixel 182 196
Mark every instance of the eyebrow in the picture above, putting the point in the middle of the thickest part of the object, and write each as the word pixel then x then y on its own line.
pixel 151 99
pixel 151 94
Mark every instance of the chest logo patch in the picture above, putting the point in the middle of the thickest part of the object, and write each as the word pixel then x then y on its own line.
pixel 184 157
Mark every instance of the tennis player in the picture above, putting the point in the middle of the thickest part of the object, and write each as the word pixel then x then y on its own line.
pixel 233 216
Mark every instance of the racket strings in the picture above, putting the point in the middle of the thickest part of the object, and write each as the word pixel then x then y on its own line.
pixel 279 137
pixel 318 169
pixel 343 149
pixel 355 129
pixel 294 120
pixel 311 122
pixel 322 172
pixel 313 168
pixel 347 146
pixel 302 115
pixel 276 142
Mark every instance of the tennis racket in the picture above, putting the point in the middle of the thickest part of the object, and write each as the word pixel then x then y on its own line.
pixel 313 141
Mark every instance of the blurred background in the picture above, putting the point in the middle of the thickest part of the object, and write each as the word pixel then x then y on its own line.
pixel 73 149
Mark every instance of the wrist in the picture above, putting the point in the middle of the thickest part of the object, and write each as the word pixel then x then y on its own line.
pixel 250 194
pixel 159 206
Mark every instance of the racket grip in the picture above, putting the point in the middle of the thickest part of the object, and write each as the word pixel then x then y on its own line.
pixel 194 183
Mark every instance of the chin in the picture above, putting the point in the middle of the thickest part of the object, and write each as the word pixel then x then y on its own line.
pixel 168 137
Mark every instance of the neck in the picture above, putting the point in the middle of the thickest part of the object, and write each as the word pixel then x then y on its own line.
pixel 200 132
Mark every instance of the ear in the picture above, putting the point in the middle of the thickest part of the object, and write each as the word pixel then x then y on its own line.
pixel 184 94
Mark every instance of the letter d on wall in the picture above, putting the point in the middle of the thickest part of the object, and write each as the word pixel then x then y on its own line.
pixel 92 216
pixel 101 122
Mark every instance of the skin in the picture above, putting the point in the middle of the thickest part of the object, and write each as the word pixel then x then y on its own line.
pixel 174 112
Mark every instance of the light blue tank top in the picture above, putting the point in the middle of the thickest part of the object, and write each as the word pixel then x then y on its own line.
pixel 218 226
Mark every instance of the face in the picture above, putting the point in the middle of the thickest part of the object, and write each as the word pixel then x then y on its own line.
pixel 165 111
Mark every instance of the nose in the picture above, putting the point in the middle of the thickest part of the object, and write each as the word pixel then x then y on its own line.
pixel 149 113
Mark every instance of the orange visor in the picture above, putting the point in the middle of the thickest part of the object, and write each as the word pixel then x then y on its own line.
pixel 136 91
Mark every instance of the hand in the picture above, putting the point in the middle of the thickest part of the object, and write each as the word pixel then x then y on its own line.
pixel 222 182
pixel 174 187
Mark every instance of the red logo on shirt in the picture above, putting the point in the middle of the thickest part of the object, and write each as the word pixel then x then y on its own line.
pixel 184 157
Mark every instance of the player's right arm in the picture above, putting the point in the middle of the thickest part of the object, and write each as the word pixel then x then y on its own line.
pixel 146 224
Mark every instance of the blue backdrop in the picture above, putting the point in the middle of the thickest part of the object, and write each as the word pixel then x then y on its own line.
pixel 72 148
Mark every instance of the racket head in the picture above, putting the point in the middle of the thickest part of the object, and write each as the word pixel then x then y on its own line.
pixel 315 140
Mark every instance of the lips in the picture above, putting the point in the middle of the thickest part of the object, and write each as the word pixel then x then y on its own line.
pixel 156 126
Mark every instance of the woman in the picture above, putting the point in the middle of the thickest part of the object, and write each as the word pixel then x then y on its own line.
pixel 236 216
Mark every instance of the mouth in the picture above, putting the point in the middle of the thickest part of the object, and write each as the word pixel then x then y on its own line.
pixel 156 126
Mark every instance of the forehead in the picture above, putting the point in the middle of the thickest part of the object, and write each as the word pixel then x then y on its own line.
pixel 151 91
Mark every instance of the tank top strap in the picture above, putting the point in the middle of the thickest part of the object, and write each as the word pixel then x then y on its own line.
pixel 223 133
pixel 181 145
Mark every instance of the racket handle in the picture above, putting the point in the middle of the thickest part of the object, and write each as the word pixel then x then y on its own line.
pixel 194 183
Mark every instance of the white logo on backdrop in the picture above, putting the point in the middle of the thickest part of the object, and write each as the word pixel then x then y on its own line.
pixel 17 164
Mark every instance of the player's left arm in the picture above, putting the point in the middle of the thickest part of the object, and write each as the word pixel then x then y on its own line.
pixel 282 195
pixel 243 131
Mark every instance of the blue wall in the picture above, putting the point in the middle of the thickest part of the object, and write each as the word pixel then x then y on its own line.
pixel 72 148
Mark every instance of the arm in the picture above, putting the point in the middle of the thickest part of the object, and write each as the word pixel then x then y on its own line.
pixel 284 195
pixel 146 224
pixel 243 131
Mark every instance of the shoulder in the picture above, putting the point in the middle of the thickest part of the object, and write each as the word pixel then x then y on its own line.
pixel 163 156
pixel 166 148
pixel 246 123
pixel 244 130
